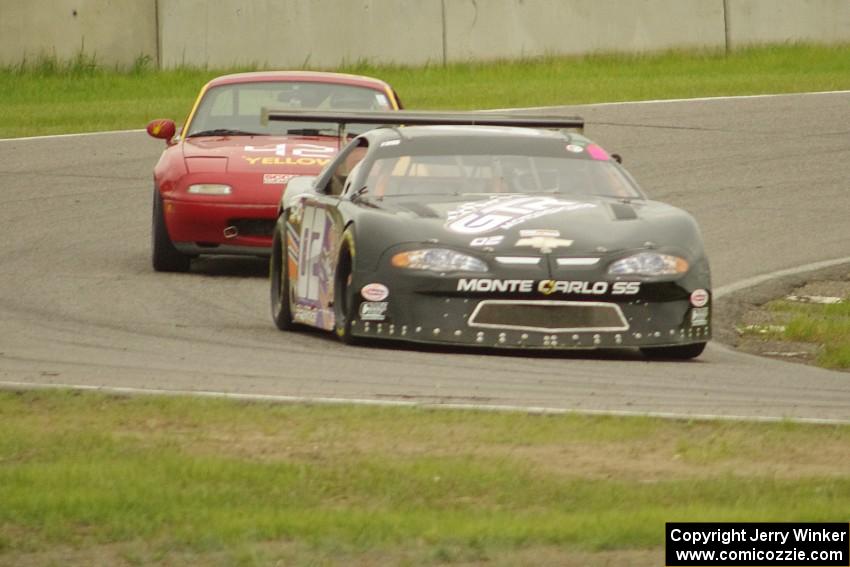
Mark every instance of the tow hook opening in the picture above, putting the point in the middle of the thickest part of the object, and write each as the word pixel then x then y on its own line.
pixel 231 232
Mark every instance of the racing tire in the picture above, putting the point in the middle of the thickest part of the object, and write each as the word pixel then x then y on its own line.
pixel 279 280
pixel 343 296
pixel 164 256
pixel 682 352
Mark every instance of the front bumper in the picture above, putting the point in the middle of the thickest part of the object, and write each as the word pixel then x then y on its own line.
pixel 207 228
pixel 661 314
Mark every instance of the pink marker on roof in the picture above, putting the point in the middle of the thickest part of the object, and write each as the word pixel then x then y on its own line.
pixel 597 152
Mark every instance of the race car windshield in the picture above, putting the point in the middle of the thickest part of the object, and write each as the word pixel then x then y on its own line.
pixel 481 174
pixel 233 110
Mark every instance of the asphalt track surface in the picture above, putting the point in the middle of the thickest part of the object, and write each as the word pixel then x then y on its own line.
pixel 767 178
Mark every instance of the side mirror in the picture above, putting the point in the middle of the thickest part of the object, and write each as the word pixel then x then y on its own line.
pixel 162 128
pixel 617 157
pixel 297 186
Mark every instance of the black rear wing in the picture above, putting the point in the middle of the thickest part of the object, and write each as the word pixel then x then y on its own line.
pixel 424 118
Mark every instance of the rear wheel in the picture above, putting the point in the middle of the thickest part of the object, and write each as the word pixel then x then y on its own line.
pixel 164 256
pixel 279 278
pixel 343 298
pixel 682 352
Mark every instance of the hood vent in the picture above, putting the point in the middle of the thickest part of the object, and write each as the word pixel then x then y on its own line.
pixel 622 211
pixel 420 210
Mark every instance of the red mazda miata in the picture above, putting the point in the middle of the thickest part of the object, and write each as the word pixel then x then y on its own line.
pixel 218 183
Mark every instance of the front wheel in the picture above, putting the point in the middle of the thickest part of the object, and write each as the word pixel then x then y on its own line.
pixel 279 279
pixel 343 299
pixel 682 352
pixel 164 256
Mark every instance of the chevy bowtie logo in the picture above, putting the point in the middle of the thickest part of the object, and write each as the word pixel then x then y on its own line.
pixel 544 243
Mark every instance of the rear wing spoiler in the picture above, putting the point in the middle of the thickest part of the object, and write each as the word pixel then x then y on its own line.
pixel 423 118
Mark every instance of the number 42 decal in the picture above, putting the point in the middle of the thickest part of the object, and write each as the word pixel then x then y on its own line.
pixel 295 150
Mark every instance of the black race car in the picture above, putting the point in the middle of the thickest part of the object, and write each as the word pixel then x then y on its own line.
pixel 483 230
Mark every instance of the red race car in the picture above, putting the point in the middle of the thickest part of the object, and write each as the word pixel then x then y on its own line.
pixel 218 183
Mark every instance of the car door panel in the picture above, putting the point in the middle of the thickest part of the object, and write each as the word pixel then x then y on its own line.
pixel 315 236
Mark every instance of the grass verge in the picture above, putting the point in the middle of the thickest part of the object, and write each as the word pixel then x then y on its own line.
pixel 162 480
pixel 805 322
pixel 49 97
pixel 827 326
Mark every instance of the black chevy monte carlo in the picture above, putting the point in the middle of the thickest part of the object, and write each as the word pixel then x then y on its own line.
pixel 486 230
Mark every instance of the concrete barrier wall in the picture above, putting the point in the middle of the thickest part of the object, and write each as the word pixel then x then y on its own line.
pixel 294 33
pixel 323 33
pixel 115 33
pixel 774 21
pixel 326 33
pixel 513 28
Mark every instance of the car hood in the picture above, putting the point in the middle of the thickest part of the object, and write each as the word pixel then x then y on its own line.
pixel 259 155
pixel 534 224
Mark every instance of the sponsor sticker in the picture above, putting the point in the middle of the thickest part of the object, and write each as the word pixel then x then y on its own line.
pixel 390 143
pixel 305 315
pixel 373 310
pixel 699 298
pixel 276 178
pixel 699 316
pixel 375 292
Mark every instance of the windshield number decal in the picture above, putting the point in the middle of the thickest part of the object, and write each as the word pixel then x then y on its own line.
pixel 506 212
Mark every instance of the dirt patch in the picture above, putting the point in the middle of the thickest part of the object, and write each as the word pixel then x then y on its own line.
pixel 703 451
pixel 139 554
pixel 786 350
